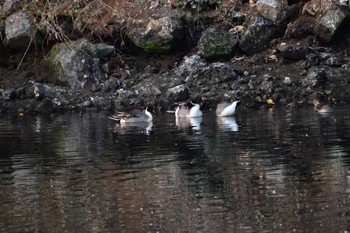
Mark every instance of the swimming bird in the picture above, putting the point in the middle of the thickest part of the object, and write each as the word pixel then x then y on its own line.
pixel 183 111
pixel 322 107
pixel 195 110
pixel 227 109
pixel 135 116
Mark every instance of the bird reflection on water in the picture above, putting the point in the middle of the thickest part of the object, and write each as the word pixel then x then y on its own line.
pixel 227 123
pixel 140 127
pixel 193 124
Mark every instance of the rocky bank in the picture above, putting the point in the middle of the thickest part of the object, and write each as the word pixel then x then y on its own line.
pixel 61 56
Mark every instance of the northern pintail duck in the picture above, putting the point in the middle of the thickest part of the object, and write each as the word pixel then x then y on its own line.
pixel 227 109
pixel 135 116
pixel 183 111
pixel 322 107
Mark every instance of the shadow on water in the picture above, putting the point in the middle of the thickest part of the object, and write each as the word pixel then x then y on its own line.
pixel 266 170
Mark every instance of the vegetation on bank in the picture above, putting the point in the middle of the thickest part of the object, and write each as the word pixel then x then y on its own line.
pixel 259 46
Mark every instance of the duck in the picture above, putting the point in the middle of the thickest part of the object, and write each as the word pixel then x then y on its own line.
pixel 225 108
pixel 195 110
pixel 322 107
pixel 135 116
pixel 182 111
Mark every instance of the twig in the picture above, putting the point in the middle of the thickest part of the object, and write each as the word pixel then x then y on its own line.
pixel 25 53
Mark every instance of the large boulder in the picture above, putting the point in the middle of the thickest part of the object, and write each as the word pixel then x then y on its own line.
pixel 216 43
pixel 190 66
pixel 272 9
pixel 258 36
pixel 178 93
pixel 146 89
pixel 75 64
pixel 199 73
pixel 330 22
pixel 156 35
pixel 19 31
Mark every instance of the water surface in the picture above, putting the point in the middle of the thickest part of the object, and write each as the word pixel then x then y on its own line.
pixel 265 170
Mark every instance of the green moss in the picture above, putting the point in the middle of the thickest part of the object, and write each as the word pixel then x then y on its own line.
pixel 51 68
pixel 157 48
pixel 217 48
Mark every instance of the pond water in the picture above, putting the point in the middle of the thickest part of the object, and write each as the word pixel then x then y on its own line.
pixel 265 170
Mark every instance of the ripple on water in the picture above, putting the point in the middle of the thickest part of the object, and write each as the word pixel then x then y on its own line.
pixel 276 172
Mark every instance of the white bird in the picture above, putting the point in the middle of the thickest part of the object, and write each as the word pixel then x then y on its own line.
pixel 183 111
pixel 135 116
pixel 227 109
pixel 195 110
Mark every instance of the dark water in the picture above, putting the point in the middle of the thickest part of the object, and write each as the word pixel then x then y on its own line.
pixel 262 171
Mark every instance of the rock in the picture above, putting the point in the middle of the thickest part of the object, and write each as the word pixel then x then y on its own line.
pixel 258 36
pixel 19 31
pixel 294 52
pixel 213 74
pixel 324 58
pixel 216 43
pixel 111 84
pixel 330 22
pixel 198 73
pixel 178 93
pixel 344 2
pixel 312 59
pixel 301 28
pixel 42 91
pixel 11 6
pixel 98 50
pixel 124 99
pixel 334 60
pixel 87 103
pixel 156 35
pixel 272 9
pixel 287 81
pixel 9 94
pixel 73 64
pixel 190 66
pixel 312 7
pixel 317 77
pixel 146 89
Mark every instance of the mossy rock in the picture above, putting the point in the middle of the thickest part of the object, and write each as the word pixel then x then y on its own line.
pixel 216 43
pixel 156 35
pixel 72 64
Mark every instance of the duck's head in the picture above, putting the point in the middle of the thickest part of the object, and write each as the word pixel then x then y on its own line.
pixel 194 103
pixel 238 102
